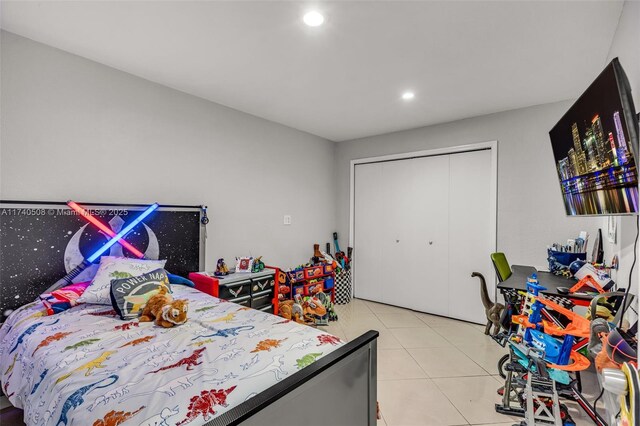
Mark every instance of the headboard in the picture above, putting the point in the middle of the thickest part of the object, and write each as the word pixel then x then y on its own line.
pixel 41 241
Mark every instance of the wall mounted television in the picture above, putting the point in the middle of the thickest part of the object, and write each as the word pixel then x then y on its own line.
pixel 595 145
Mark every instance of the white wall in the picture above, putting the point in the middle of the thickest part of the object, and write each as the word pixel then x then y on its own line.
pixel 75 129
pixel 530 209
pixel 625 46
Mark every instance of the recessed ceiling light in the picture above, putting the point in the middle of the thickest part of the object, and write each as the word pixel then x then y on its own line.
pixel 407 96
pixel 313 18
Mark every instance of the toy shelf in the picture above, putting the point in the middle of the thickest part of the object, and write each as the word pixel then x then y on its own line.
pixel 304 281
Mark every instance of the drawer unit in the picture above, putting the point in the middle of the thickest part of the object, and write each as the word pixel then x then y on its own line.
pixel 244 301
pixel 234 290
pixel 313 288
pixel 268 308
pixel 260 300
pixel 259 285
pixel 329 283
pixel 255 290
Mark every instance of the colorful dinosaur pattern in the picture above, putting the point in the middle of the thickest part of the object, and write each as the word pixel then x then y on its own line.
pixel 37 385
pixel 89 366
pixel 115 418
pixel 127 326
pixel 227 318
pixel 226 332
pixel 206 308
pixel 201 343
pixel 190 361
pixel 267 345
pixel 13 363
pixel 203 404
pixel 111 313
pixel 53 338
pixel 81 343
pixel 139 341
pixel 77 398
pixel 308 359
pixel 24 334
pixel 327 339
pixel 36 315
pixel 117 275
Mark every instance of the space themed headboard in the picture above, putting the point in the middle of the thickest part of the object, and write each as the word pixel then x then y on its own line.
pixel 40 242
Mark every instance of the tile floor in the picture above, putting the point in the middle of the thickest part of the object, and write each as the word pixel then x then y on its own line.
pixel 431 370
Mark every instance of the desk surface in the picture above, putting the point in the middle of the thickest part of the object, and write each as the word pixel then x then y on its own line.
pixel 520 273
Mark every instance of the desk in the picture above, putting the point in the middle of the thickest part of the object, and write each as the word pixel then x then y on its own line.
pixel 518 281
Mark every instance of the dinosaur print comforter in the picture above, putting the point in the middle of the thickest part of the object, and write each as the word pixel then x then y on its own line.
pixel 85 366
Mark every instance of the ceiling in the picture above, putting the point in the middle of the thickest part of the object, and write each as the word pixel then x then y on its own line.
pixel 344 79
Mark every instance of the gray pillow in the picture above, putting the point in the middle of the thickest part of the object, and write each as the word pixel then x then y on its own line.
pixel 130 295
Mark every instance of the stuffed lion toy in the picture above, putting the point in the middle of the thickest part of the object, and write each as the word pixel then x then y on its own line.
pixel 166 311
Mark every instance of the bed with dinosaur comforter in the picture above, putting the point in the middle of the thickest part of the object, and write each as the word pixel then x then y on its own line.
pixel 85 366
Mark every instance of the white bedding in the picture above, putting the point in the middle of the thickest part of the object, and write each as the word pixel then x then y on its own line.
pixel 85 366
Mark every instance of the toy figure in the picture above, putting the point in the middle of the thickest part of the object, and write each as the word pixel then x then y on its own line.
pixel 221 268
pixel 312 307
pixel 258 265
pixel 493 311
pixel 166 311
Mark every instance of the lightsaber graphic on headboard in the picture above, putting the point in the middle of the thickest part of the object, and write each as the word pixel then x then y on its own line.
pixel 122 233
pixel 68 279
pixel 104 228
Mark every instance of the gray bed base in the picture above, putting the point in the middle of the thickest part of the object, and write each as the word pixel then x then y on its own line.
pixel 339 389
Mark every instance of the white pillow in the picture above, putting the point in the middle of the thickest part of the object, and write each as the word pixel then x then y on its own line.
pixel 112 268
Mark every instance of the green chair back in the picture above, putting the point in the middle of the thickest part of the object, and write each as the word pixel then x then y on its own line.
pixel 502 266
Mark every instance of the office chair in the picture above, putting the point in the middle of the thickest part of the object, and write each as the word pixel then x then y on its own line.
pixel 503 269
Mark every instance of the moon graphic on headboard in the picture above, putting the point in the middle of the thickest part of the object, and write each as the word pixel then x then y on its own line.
pixel 73 256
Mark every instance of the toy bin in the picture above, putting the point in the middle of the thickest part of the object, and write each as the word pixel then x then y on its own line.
pixel 566 258
pixel 297 275
pixel 329 283
pixel 328 269
pixel 298 289
pixel 313 272
pixel 309 289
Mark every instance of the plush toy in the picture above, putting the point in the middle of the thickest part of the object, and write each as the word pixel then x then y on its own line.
pixel 291 310
pixel 166 311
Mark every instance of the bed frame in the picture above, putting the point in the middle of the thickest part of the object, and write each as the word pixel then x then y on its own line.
pixel 339 389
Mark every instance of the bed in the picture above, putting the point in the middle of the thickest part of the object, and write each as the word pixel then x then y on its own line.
pixel 227 365
pixel 85 366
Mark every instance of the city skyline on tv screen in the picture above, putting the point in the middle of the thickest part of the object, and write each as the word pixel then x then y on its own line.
pixel 595 159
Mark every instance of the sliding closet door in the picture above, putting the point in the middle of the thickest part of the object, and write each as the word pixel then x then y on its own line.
pixel 401 181
pixel 422 226
pixel 368 215
pixel 425 223
pixel 471 237
pixel 401 227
